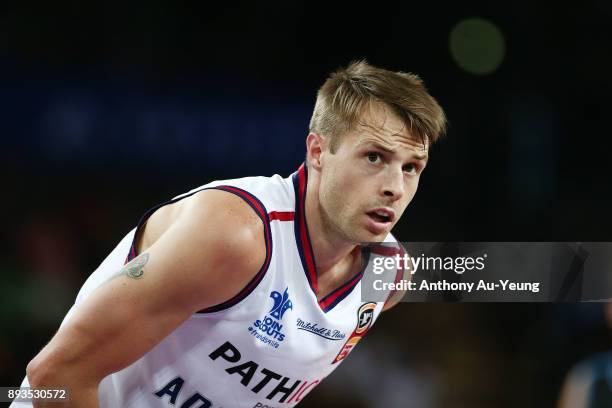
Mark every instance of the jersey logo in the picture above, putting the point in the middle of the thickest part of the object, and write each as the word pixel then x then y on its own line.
pixel 281 304
pixel 365 316
pixel 269 329
pixel 314 328
pixel 274 386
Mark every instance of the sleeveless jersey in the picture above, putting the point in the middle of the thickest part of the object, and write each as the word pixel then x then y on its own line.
pixel 268 346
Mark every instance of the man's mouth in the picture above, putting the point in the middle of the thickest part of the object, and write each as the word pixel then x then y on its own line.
pixel 382 215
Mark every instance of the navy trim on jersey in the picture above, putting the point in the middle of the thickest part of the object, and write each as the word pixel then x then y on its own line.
pixel 302 238
pixel 143 220
pixel 335 297
pixel 261 212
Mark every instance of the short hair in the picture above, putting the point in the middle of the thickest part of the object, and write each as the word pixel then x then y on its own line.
pixel 341 100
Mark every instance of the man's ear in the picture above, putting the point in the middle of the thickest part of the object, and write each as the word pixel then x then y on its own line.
pixel 315 144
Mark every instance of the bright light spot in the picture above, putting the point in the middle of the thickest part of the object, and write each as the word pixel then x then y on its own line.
pixel 477 46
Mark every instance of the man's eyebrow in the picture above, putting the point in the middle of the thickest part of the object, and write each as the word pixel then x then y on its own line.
pixel 418 156
pixel 378 145
pixel 383 147
pixel 424 157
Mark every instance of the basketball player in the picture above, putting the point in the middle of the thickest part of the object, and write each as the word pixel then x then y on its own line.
pixel 246 292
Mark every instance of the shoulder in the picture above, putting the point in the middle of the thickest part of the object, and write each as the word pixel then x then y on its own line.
pixel 229 218
pixel 223 221
pixel 273 193
pixel 212 240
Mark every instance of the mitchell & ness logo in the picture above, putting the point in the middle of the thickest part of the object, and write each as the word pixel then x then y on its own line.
pixel 270 324
pixel 329 334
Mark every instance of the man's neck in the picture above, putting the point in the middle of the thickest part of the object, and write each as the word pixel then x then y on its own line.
pixel 330 250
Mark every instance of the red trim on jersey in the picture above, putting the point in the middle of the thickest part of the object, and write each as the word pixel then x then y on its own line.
pixel 329 299
pixel 281 215
pixel 304 237
pixel 306 252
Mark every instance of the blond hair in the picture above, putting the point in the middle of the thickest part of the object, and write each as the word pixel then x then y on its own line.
pixel 343 97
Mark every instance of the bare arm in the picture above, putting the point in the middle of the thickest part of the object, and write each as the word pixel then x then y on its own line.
pixel 192 265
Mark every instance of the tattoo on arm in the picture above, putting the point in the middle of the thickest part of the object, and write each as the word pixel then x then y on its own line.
pixel 134 268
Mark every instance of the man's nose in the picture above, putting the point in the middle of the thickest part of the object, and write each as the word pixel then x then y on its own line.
pixel 393 186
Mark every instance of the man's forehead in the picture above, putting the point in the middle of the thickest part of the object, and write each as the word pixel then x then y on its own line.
pixel 379 124
pixel 379 116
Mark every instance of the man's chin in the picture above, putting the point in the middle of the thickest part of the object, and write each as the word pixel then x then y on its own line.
pixel 370 237
pixel 363 235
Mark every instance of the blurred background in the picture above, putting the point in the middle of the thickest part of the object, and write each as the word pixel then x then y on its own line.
pixel 109 109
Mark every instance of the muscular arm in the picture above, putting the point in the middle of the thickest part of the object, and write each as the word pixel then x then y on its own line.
pixel 192 265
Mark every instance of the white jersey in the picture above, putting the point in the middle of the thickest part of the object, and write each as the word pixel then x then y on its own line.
pixel 268 346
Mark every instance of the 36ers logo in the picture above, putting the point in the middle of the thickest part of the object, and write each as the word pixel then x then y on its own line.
pixel 365 315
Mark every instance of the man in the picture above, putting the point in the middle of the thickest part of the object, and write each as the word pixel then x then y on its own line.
pixel 241 293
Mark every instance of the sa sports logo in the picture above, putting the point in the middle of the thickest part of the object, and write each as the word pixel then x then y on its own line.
pixel 269 329
pixel 365 316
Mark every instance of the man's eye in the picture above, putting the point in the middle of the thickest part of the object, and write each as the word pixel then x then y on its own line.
pixel 373 157
pixel 410 168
